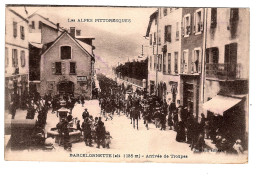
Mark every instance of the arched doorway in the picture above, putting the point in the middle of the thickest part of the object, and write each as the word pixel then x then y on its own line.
pixel 66 87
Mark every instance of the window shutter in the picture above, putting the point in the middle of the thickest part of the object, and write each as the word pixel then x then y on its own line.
pixel 199 62
pixel 53 68
pixel 194 23
pixel 189 24
pixel 182 27
pixel 202 20
pixel 63 64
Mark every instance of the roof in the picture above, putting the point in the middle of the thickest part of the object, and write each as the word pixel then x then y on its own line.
pixel 47 19
pixel 19 12
pixel 85 37
pixel 37 45
pixel 85 47
pixel 152 17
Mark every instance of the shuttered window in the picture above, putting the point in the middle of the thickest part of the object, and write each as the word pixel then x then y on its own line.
pixel 22 57
pixel 58 68
pixel 72 67
pixel 14 58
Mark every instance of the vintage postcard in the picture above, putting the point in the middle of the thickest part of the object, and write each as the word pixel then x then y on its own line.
pixel 126 84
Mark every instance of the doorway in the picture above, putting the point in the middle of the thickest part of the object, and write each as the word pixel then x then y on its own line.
pixel 66 87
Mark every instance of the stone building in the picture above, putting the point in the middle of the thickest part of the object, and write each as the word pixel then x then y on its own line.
pixel 164 32
pixel 16 57
pixel 67 66
pixel 227 69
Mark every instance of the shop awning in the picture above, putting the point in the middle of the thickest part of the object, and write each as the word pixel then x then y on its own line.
pixel 219 104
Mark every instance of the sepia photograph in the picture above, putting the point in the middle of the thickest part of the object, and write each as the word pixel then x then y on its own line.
pixel 126 84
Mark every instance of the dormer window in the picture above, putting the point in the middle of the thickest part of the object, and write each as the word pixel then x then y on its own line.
pixel 65 52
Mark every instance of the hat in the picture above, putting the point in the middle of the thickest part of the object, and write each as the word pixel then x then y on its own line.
pixel 238 141
pixel 86 109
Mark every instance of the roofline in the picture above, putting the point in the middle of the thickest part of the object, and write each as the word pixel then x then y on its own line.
pixel 44 18
pixel 152 17
pixel 16 13
pixel 63 33
pixel 49 26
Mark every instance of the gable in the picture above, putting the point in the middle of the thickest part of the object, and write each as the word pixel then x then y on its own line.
pixel 66 39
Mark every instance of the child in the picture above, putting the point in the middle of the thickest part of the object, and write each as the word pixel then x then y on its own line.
pixel 238 147
pixel 107 139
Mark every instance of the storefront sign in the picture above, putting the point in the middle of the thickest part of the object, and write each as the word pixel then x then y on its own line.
pixel 82 78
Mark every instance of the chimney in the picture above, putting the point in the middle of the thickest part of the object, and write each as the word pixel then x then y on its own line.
pixel 72 31
pixel 58 26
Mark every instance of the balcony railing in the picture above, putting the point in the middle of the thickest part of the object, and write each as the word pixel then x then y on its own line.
pixel 223 71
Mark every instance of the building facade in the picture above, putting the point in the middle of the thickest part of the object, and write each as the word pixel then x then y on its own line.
pixel 16 58
pixel 227 69
pixel 67 66
pixel 191 58
pixel 42 32
pixel 164 32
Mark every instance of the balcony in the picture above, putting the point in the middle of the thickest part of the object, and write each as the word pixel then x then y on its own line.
pixel 223 71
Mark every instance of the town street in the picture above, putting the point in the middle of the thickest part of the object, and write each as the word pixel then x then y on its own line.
pixel 126 141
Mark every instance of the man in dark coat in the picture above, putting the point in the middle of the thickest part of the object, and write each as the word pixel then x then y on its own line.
pixel 85 114
pixel 163 119
pixel 134 115
pixel 86 127
pixel 100 131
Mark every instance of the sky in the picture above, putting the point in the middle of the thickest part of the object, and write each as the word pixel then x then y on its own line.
pixel 115 42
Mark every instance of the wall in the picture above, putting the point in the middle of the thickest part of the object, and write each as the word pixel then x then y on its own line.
pixel 16 42
pixel 83 65
pixel 48 34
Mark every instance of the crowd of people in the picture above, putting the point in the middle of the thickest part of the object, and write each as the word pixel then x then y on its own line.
pixel 166 116
pixel 136 106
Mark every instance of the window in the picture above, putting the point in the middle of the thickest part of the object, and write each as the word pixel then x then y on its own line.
pixel 78 32
pixel 212 55
pixel 14 58
pixel 231 58
pixel 176 62
pixel 72 67
pixel 15 29
pixel 154 38
pixel 213 22
pixel 151 62
pixel 234 14
pixel 22 57
pixel 169 62
pixel 159 37
pixel 198 21
pixel 164 62
pixel 154 62
pixel 40 24
pixel 65 52
pixel 234 17
pixel 22 32
pixel 196 61
pixel 177 31
pixel 167 33
pixel 151 39
pixel 6 57
pixel 185 56
pixel 164 11
pixel 58 68
pixel 160 62
pixel 33 25
pixel 186 25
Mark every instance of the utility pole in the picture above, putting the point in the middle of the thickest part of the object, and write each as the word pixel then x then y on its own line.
pixel 204 56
